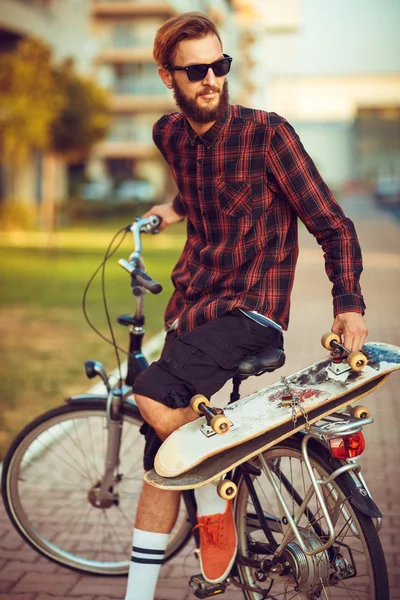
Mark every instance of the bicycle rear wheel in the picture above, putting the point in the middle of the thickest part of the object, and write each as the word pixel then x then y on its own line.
pixel 49 481
pixel 354 567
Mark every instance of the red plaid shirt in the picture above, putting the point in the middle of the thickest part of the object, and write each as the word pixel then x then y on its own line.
pixel 242 186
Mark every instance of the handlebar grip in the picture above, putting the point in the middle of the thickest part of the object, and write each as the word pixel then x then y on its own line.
pixel 149 224
pixel 146 281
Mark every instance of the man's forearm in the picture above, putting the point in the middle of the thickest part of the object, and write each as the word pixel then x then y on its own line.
pixel 178 206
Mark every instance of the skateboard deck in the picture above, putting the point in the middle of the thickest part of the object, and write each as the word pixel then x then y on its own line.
pixel 216 466
pixel 316 387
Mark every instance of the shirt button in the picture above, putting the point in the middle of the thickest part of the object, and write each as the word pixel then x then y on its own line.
pixel 199 160
pixel 200 187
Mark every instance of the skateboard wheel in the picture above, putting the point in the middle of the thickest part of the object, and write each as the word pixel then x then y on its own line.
pixel 329 337
pixel 226 489
pixel 357 361
pixel 220 424
pixel 196 400
pixel 360 412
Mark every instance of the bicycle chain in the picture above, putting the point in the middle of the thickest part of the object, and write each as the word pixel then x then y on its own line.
pixel 294 403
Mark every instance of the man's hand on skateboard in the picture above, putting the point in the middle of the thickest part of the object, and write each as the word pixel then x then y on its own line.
pixel 351 327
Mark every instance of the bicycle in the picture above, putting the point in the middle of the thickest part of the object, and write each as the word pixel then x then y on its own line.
pixel 72 477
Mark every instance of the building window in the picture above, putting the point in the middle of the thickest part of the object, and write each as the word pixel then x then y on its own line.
pixel 122 36
pixel 137 78
pixel 128 128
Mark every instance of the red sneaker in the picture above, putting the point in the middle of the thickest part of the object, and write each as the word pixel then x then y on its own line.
pixel 218 544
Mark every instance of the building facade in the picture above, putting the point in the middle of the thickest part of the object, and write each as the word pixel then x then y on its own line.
pixel 333 70
pixel 111 41
pixel 124 31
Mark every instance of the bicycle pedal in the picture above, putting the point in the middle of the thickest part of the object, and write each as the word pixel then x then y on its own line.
pixel 203 589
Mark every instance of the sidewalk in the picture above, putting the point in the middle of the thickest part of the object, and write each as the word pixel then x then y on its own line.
pixel 26 576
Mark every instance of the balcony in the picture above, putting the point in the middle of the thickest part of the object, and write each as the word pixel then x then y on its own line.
pixel 124 55
pixel 142 103
pixel 132 8
pixel 132 150
pixel 22 18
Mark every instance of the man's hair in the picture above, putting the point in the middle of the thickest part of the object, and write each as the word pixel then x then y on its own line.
pixel 187 26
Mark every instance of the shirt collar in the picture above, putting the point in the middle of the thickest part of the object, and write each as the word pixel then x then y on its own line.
pixel 210 136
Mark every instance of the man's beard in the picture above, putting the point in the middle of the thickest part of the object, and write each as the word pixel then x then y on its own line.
pixel 202 114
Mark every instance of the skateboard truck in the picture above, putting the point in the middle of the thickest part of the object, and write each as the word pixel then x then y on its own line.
pixel 216 420
pixel 342 359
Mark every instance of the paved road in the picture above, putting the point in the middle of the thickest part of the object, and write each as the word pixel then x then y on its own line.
pixel 25 576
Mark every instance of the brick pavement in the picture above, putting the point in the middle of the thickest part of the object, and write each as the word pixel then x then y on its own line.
pixel 26 576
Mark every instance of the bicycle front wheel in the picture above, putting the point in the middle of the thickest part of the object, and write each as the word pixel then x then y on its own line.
pixel 50 477
pixel 354 567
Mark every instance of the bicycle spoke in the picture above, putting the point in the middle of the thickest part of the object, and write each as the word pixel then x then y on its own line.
pixel 79 446
pixel 67 533
pixel 351 590
pixel 93 452
pixel 114 534
pixel 52 453
pixel 128 450
pixel 126 518
pixel 333 569
pixel 55 478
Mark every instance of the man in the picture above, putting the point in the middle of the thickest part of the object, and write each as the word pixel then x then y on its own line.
pixel 243 179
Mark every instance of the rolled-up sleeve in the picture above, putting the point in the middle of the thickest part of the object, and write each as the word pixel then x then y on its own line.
pixel 302 185
pixel 178 205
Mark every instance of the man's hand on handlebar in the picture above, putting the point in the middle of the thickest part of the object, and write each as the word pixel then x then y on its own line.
pixel 167 214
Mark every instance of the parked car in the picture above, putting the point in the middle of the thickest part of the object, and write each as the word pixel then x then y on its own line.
pixel 387 191
pixel 134 191
pixel 95 190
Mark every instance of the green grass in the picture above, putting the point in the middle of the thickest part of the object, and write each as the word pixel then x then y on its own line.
pixel 45 338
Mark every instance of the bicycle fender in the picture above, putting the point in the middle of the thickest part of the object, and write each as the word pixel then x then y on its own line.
pixel 91 399
pixel 100 401
pixel 362 499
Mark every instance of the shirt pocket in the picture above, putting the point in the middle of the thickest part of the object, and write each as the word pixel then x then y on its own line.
pixel 235 198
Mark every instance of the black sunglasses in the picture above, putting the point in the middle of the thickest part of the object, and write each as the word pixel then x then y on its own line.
pixel 220 68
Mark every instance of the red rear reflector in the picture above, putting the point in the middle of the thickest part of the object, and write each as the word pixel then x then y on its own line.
pixel 347 446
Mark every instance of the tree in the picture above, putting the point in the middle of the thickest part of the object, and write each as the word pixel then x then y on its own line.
pixel 29 103
pixel 46 107
pixel 85 116
pixel 82 121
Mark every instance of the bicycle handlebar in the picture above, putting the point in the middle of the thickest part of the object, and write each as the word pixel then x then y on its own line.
pixel 145 225
pixel 141 277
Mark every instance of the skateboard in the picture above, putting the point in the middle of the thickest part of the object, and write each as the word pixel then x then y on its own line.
pixel 212 469
pixel 272 414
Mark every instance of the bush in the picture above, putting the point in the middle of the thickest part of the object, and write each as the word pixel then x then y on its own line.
pixel 76 210
pixel 18 216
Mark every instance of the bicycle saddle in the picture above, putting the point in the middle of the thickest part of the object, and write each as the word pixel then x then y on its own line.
pixel 263 362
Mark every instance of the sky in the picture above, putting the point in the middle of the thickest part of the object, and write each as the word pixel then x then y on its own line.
pixel 359 35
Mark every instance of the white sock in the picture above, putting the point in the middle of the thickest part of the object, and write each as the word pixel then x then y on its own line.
pixel 208 501
pixel 148 551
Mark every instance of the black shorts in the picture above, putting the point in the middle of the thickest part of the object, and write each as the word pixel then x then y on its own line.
pixel 200 362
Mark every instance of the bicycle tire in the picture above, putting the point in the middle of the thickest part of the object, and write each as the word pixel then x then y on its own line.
pixel 377 587
pixel 41 497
